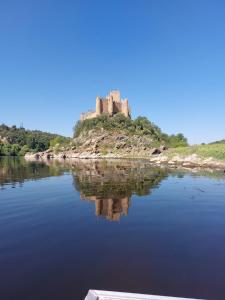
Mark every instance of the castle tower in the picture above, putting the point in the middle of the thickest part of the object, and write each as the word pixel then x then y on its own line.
pixel 110 208
pixel 125 108
pixel 125 205
pixel 98 106
pixel 110 105
pixel 116 95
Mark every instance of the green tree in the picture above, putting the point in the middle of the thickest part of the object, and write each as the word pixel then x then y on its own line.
pixel 14 149
pixel 35 140
pixel 24 150
pixel 57 140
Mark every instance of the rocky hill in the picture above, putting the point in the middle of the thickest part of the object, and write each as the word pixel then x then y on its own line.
pixel 120 137
pixel 116 136
pixel 117 144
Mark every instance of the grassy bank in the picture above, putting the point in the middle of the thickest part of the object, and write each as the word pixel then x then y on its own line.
pixel 216 151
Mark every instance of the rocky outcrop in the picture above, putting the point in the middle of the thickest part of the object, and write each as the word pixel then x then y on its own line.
pixel 191 161
pixel 4 140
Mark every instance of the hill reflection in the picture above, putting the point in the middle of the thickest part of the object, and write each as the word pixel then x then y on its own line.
pixel 110 184
pixel 15 171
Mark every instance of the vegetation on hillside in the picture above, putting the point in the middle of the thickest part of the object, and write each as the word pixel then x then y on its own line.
pixel 18 141
pixel 138 126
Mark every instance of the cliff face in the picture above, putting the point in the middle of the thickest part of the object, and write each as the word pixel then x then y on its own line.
pixel 115 144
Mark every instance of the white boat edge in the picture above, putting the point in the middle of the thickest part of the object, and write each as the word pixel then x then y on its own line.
pixel 109 295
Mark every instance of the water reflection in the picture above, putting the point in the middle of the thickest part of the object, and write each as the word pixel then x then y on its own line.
pixel 110 184
pixel 15 171
pixel 47 230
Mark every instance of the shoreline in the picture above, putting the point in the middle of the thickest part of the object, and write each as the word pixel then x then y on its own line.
pixel 188 162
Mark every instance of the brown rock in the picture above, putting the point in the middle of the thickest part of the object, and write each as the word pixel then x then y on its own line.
pixel 155 151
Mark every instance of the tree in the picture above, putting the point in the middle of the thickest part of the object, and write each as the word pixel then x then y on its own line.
pixel 15 149
pixel 57 140
pixel 24 150
pixel 35 140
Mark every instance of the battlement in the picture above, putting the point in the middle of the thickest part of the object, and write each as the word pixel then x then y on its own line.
pixel 111 105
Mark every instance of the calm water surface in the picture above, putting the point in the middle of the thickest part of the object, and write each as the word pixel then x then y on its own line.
pixel 122 225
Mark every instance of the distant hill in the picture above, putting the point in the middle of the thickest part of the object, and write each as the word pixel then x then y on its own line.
pixel 218 142
pixel 18 140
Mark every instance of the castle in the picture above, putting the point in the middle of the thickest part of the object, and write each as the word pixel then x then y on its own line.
pixel 111 104
pixel 110 208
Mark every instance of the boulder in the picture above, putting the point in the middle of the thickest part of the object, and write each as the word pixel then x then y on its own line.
pixel 155 151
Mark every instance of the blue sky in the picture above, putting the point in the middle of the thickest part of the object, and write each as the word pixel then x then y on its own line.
pixel 167 57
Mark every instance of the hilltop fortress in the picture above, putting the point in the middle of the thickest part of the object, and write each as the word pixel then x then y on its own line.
pixel 111 104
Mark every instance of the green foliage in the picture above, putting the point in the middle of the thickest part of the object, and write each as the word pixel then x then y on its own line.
pixel 59 140
pixel 15 149
pixel 18 141
pixel 174 141
pixel 119 122
pixel 9 150
pixel 139 126
pixel 24 150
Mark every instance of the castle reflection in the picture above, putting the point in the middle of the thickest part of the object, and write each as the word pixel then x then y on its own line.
pixel 111 209
pixel 110 184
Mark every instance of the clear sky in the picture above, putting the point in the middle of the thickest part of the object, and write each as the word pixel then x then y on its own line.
pixel 166 56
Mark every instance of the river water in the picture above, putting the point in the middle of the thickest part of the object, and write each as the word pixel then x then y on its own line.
pixel 118 225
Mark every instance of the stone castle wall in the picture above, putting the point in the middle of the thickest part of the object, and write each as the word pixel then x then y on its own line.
pixel 111 104
pixel 104 106
pixel 88 115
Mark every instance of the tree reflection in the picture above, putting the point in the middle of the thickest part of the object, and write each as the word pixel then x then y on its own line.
pixel 107 183
pixel 15 171
pixel 110 184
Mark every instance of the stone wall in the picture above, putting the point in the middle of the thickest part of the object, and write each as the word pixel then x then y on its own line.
pixel 117 107
pixel 104 106
pixel 88 115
